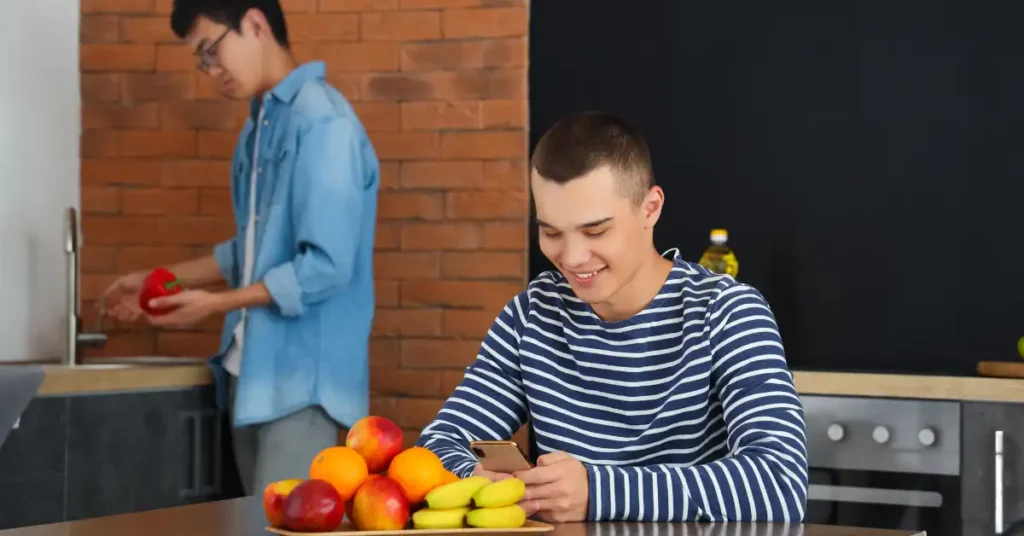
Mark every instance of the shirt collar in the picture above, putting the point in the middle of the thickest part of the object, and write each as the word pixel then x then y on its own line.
pixel 289 86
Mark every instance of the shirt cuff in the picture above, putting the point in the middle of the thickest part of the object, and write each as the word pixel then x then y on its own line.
pixel 284 288
pixel 224 254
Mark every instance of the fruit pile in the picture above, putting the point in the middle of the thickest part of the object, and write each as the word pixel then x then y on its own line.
pixel 379 485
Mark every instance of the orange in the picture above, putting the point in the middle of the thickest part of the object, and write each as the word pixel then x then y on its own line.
pixel 449 477
pixel 417 470
pixel 342 467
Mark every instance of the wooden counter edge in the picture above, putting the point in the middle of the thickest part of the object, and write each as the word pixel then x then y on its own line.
pixel 61 380
pixel 962 388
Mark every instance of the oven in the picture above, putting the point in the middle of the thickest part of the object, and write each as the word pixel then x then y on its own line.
pixel 884 463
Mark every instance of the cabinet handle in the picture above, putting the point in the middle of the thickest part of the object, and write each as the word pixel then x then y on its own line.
pixel 196 423
pixel 999 482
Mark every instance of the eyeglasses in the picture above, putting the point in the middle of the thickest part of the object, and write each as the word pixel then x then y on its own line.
pixel 208 56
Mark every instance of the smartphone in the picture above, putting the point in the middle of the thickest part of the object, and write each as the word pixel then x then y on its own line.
pixel 500 456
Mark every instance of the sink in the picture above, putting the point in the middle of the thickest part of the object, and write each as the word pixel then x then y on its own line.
pixel 136 362
pixel 116 362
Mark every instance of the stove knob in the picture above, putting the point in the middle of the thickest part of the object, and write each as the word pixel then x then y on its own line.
pixel 880 434
pixel 926 436
pixel 836 432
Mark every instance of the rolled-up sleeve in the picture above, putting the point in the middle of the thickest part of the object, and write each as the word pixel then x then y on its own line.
pixel 327 197
pixel 224 254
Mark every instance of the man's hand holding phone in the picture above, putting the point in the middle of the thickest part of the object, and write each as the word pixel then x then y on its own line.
pixel 557 490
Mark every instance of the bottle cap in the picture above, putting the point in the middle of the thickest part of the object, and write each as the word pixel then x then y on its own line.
pixel 719 235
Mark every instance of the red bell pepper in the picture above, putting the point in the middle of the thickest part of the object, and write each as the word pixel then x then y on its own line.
pixel 160 282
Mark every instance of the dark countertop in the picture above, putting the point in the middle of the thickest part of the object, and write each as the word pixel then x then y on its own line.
pixel 244 517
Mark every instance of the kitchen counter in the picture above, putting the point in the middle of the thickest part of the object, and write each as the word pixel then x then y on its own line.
pixel 962 388
pixel 244 517
pixel 64 380
pixel 67 380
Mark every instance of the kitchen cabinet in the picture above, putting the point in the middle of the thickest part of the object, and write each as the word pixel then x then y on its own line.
pixel 32 465
pixel 76 457
pixel 981 422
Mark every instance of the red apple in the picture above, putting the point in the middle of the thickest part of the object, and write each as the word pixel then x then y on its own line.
pixel 313 506
pixel 380 504
pixel 348 503
pixel 377 439
pixel 274 496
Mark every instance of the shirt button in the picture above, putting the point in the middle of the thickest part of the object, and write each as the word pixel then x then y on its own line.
pixel 259 170
pixel 266 123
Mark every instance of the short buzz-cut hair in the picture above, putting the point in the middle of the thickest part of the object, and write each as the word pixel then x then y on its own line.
pixel 582 142
pixel 229 13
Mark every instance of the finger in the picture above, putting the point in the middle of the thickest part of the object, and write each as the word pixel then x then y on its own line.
pixel 166 301
pixel 126 308
pixel 123 314
pixel 553 505
pixel 529 506
pixel 552 458
pixel 539 475
pixel 491 475
pixel 170 320
pixel 496 477
pixel 544 491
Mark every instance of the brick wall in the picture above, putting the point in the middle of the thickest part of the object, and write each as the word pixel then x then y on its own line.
pixel 440 85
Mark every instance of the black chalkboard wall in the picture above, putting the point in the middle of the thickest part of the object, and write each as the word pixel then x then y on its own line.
pixel 867 158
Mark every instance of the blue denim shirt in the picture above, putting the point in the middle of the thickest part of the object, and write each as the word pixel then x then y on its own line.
pixel 316 209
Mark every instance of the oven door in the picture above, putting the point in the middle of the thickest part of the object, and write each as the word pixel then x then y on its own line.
pixel 884 500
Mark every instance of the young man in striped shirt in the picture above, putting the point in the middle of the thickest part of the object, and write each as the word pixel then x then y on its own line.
pixel 658 391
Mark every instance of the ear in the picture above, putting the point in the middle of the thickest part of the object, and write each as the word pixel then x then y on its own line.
pixel 652 205
pixel 255 22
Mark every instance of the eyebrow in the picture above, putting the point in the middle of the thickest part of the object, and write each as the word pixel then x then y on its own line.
pixel 588 225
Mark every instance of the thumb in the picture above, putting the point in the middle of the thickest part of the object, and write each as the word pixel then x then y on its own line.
pixel 168 301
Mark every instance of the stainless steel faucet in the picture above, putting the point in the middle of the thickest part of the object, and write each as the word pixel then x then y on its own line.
pixel 76 337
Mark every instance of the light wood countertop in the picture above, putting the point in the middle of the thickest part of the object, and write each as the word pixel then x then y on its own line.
pixel 63 380
pixel 963 388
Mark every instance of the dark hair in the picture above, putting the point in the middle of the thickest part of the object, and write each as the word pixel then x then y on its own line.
pixel 229 13
pixel 580 143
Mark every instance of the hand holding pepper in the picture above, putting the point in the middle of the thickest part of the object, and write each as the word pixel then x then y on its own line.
pixel 184 309
pixel 121 299
pixel 159 283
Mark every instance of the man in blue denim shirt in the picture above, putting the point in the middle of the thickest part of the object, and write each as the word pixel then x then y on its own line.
pixel 293 362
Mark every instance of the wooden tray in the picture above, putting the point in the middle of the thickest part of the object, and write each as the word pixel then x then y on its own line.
pixel 346 528
pixel 1001 369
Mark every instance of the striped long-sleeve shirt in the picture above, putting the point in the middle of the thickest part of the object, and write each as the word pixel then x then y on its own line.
pixel 685 411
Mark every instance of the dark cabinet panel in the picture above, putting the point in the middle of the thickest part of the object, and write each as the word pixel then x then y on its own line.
pixel 32 469
pixel 142 451
pixel 37 444
pixel 78 457
pixel 34 500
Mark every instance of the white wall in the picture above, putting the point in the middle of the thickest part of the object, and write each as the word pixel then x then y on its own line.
pixel 40 123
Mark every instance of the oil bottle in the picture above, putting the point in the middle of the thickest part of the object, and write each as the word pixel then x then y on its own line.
pixel 719 257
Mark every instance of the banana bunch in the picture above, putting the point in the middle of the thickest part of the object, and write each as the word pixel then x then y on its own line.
pixel 473 501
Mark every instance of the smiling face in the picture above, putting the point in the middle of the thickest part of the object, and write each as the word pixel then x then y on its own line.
pixel 233 59
pixel 597 236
